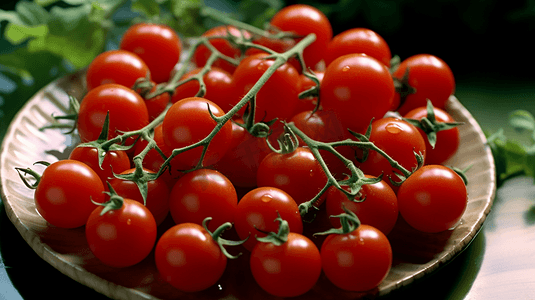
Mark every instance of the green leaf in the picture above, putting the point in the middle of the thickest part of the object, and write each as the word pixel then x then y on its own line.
pixel 10 16
pixel 187 17
pixel 31 13
pixel 150 8
pixel 522 120
pixel 16 34
pixel 45 2
pixel 516 157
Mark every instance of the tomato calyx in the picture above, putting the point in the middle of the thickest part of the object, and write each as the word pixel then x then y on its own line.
pixel 216 236
pixel 27 171
pixel 72 115
pixel 277 238
pixel 115 202
pixel 287 141
pixel 349 220
pixel 313 92
pixel 461 173
pixel 141 178
pixel 403 88
pixel 430 125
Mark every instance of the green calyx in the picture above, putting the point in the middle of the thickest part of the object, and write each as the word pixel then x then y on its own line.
pixel 115 202
pixel 349 220
pixel 216 236
pixel 27 171
pixel 279 237
pixel 72 115
pixel 287 141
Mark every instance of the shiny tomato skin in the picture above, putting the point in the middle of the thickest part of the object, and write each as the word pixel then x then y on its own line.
pixel 288 270
pixel 448 141
pixel 157 194
pixel 122 237
pixel 114 161
pixel 358 40
pixel 258 210
pixel 432 199
pixel 357 261
pixel 156 105
pixel 116 66
pixel 127 112
pixel 357 88
pixel 303 19
pixel 291 172
pixel 64 193
pixel 158 46
pixel 188 258
pixel 278 96
pixel 379 208
pixel 188 121
pixel 200 194
pixel 399 140
pixel 430 76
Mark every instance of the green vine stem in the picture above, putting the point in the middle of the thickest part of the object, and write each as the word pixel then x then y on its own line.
pixel 216 236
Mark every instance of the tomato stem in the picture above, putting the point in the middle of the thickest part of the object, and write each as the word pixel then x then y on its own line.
pixel 216 236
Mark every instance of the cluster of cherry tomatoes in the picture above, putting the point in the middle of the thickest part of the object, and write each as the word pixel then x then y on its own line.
pixel 244 182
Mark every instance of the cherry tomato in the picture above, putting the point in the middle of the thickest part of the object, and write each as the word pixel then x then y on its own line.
pixel 188 121
pixel 399 140
pixel 304 19
pixel 157 194
pixel 188 258
pixel 291 172
pixel 357 261
pixel 64 193
pixel 116 66
pixel 379 208
pixel 357 88
pixel 114 161
pixel 202 53
pixel 218 87
pixel 447 140
pixel 258 209
pixel 121 237
pixel 288 270
pixel 126 108
pixel 158 45
pixel 358 40
pixel 430 76
pixel 156 105
pixel 200 194
pixel 278 96
pixel 432 199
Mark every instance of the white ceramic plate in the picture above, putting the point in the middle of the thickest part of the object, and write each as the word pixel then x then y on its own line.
pixel 416 254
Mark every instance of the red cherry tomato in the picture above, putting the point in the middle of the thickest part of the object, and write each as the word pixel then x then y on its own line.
pixel 357 88
pixel 156 105
pixel 64 193
pixel 258 209
pixel 304 19
pixel 126 108
pixel 116 66
pixel 157 194
pixel 188 258
pixel 200 194
pixel 122 237
pixel 430 76
pixel 358 40
pixel 447 140
pixel 114 162
pixel 158 45
pixel 357 261
pixel 432 199
pixel 379 208
pixel 188 121
pixel 288 270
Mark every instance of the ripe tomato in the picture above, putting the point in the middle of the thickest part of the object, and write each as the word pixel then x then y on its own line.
pixel 432 199
pixel 188 121
pixel 188 258
pixel 379 208
pixel 218 87
pixel 156 105
pixel 357 261
pixel 288 270
pixel 258 209
pixel 121 237
pixel 304 19
pixel 430 76
pixel 116 66
pixel 200 194
pixel 114 161
pixel 357 88
pixel 202 53
pixel 291 172
pixel 358 40
pixel 278 96
pixel 447 140
pixel 158 45
pixel 126 108
pixel 157 194
pixel 64 193
pixel 399 140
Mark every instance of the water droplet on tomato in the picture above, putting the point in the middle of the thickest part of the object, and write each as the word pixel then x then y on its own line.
pixel 346 68
pixel 129 221
pixel 266 198
pixel 393 128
